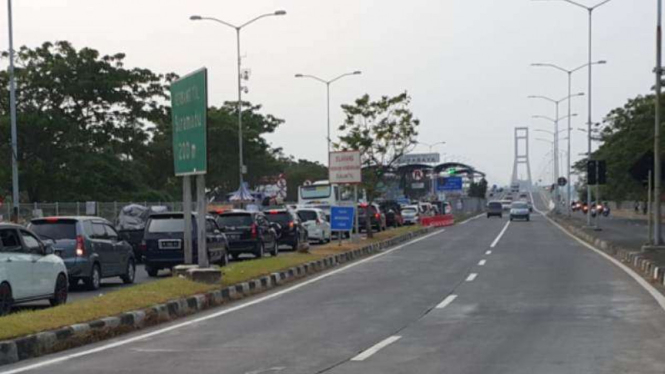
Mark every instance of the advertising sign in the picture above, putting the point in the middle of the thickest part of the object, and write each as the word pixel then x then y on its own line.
pixel 341 218
pixel 345 168
pixel 450 184
pixel 189 103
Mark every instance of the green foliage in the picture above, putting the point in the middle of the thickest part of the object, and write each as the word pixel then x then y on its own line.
pixel 478 189
pixel 627 136
pixel 382 131
pixel 91 129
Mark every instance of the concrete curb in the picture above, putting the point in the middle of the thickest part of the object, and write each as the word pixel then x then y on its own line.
pixel 47 342
pixel 635 259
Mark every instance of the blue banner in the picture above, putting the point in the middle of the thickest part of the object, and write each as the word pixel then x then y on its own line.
pixel 449 184
pixel 341 218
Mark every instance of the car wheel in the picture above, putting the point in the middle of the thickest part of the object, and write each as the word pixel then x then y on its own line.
pixel 275 249
pixel 130 273
pixel 95 280
pixel 259 250
pixel 296 244
pixel 151 272
pixel 235 256
pixel 225 258
pixel 528 218
pixel 60 291
pixel 6 299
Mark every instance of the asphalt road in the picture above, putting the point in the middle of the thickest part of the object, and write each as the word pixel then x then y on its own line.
pixel 540 302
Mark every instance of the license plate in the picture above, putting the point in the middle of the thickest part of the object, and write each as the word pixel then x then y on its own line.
pixel 169 244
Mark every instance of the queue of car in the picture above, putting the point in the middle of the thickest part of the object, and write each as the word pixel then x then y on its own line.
pixel 45 259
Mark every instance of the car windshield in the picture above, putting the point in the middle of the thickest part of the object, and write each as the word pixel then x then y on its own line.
pixel 54 230
pixel 520 205
pixel 307 215
pixel 234 220
pixel 166 224
pixel 494 205
pixel 410 210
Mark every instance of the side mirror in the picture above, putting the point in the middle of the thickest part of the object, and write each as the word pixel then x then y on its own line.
pixel 48 249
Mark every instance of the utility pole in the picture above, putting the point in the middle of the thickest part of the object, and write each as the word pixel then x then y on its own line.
pixel 12 114
pixel 657 240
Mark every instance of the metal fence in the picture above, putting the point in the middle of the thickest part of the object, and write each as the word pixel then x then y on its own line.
pixel 108 210
pixel 468 205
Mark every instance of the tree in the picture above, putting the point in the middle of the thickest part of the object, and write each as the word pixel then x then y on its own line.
pixel 478 189
pixel 627 136
pixel 83 119
pixel 382 130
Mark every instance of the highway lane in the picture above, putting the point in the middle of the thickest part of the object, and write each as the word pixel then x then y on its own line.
pixel 539 303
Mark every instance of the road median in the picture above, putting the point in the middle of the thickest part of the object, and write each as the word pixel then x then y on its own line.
pixel 32 334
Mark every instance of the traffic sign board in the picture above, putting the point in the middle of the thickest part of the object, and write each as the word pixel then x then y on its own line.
pixel 341 218
pixel 189 107
pixel 450 184
pixel 562 181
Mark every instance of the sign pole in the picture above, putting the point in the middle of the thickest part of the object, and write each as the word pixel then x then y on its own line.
pixel 356 236
pixel 201 220
pixel 187 214
pixel 649 211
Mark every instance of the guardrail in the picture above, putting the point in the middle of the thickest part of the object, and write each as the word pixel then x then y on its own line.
pixel 438 221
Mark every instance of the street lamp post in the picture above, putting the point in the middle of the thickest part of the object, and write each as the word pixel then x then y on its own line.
pixel 556 126
pixel 241 165
pixel 554 136
pixel 328 83
pixel 554 157
pixel 12 114
pixel 590 65
pixel 570 81
pixel 657 240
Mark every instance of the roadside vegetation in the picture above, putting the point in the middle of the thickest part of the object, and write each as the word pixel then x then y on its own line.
pixel 28 322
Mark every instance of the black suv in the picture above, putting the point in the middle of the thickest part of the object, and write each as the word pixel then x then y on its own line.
pixel 163 242
pixel 248 232
pixel 291 231
pixel 90 247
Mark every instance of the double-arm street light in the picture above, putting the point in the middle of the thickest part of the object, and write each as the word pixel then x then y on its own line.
pixel 570 81
pixel 431 145
pixel 328 83
pixel 241 165
pixel 590 64
pixel 556 124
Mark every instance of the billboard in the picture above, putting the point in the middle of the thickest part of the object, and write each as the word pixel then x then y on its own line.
pixel 345 167
pixel 189 106
pixel 450 184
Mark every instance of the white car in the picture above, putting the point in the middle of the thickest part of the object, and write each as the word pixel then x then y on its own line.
pixel 29 270
pixel 520 210
pixel 410 214
pixel 316 223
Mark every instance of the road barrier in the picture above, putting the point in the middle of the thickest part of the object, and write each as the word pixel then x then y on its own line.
pixel 438 221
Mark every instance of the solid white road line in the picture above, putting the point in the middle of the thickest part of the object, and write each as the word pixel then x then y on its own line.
pixel 371 351
pixel 446 301
pixel 210 316
pixel 488 252
pixel 496 241
pixel 660 299
pixel 471 277
pixel 482 262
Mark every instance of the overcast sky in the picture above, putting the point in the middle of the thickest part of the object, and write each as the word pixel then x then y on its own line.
pixel 464 62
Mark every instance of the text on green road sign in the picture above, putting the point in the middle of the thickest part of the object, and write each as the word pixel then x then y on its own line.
pixel 189 105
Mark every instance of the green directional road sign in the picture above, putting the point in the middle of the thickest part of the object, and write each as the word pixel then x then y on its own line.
pixel 189 106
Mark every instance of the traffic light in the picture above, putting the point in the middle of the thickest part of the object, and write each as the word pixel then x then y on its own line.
pixel 596 172
pixel 602 172
pixel 592 178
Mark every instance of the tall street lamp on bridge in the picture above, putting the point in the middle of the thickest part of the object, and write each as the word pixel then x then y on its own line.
pixel 570 81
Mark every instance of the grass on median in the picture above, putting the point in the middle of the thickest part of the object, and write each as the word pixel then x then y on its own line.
pixel 144 295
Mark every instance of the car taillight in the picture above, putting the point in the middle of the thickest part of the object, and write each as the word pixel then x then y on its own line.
pixel 291 225
pixel 143 247
pixel 377 215
pixel 80 246
pixel 253 230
